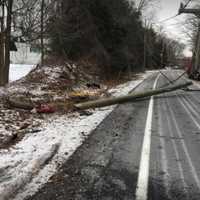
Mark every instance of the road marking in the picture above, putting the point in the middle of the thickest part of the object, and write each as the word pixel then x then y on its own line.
pixel 171 132
pixel 193 169
pixel 175 148
pixel 164 161
pixel 143 176
pixel 191 102
pixel 189 111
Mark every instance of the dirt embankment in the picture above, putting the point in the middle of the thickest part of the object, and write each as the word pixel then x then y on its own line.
pixel 53 88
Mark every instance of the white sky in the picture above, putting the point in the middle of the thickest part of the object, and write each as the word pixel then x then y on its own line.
pixel 172 27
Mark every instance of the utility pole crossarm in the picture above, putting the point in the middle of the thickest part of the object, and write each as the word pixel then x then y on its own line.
pixel 182 9
pixel 189 11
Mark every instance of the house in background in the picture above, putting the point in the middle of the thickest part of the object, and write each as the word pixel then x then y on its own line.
pixel 25 54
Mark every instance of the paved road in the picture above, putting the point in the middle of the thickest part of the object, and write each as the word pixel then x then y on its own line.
pixel 149 149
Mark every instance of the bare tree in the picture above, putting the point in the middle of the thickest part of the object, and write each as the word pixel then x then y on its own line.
pixel 34 20
pixel 142 5
pixel 6 7
pixel 27 20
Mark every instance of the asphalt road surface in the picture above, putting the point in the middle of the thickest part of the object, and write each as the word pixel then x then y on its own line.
pixel 146 150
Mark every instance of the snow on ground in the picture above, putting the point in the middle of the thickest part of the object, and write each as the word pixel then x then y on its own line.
pixel 28 165
pixel 196 83
pixel 17 71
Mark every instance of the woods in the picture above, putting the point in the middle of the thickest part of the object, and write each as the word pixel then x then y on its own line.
pixel 110 34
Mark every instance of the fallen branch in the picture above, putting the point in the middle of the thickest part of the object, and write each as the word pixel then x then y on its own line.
pixel 127 98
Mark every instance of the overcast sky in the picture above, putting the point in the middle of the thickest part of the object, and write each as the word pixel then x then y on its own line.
pixel 172 27
pixel 169 8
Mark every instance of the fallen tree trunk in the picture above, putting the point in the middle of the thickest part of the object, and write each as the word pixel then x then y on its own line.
pixel 13 102
pixel 128 98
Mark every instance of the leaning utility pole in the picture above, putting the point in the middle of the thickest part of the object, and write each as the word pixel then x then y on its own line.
pixel 197 48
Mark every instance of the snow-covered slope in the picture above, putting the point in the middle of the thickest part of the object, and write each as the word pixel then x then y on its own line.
pixel 17 71
pixel 29 164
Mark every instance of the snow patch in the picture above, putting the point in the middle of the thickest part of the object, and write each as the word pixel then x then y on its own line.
pixel 18 71
pixel 32 162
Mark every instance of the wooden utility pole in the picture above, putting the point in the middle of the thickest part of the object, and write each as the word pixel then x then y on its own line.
pixel 197 48
pixel 128 98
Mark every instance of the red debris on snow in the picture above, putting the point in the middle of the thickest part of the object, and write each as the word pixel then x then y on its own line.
pixel 45 109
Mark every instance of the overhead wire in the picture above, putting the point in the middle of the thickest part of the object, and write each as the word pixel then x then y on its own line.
pixel 169 18
pixel 180 76
pixel 174 16
pixel 187 4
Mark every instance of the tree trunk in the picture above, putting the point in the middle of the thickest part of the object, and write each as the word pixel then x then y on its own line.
pixel 42 32
pixel 1 59
pixel 7 41
pixel 5 37
pixel 2 45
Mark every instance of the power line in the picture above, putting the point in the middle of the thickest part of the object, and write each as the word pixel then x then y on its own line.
pixel 187 4
pixel 174 16
pixel 169 18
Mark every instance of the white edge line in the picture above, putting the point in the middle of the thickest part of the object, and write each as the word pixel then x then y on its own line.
pixel 143 176
pixel 31 188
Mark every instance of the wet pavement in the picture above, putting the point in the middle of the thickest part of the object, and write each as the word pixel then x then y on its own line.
pixel 106 166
